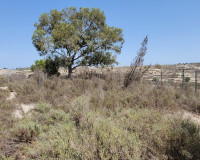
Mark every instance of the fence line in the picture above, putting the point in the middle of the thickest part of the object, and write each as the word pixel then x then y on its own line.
pixel 196 81
pixel 184 78
pixel 9 78
pixel 165 75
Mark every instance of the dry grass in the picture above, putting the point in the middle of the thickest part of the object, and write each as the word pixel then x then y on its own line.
pixel 3 81
pixel 94 118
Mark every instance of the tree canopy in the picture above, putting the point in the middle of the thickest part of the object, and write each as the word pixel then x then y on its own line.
pixel 80 37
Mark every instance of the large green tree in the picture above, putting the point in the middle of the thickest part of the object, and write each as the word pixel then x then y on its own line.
pixel 80 37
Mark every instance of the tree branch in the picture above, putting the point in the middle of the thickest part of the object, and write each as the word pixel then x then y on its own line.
pixel 58 52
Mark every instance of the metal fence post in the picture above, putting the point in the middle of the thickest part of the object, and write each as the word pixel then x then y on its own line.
pixel 119 77
pixel 183 78
pixel 99 78
pixel 8 77
pixel 39 82
pixel 196 81
pixel 161 76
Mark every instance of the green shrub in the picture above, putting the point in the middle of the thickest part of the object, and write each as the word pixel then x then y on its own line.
pixel 53 117
pixel 187 79
pixel 43 108
pixel 52 66
pixel 60 142
pixel 59 137
pixel 155 79
pixel 32 67
pixel 49 66
pixel 185 141
pixel 150 126
pixel 26 130
pixel 39 64
pixel 113 142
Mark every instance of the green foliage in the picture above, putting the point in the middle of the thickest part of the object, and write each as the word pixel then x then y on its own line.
pixel 187 79
pixel 52 66
pixel 185 141
pixel 57 135
pixel 155 79
pixel 39 64
pixel 43 108
pixel 26 130
pixel 80 37
pixel 123 134
pixel 32 67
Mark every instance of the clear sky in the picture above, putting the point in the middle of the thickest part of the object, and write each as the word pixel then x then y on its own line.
pixel 173 27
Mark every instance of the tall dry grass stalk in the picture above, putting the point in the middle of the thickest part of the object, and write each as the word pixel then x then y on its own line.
pixel 136 72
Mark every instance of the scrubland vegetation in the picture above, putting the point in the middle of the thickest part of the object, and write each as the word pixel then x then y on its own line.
pixel 91 118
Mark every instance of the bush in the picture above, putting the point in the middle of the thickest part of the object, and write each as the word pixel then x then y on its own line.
pixel 26 130
pixel 49 66
pixel 39 64
pixel 114 141
pixel 32 67
pixel 43 108
pixel 52 66
pixel 187 79
pixel 185 141
pixel 57 138
pixel 60 142
pixel 155 79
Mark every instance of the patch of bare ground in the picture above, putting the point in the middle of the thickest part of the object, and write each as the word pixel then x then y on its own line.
pixel 4 88
pixel 190 116
pixel 23 110
pixel 12 96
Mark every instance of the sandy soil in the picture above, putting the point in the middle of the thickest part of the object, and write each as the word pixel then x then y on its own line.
pixel 12 96
pixel 23 109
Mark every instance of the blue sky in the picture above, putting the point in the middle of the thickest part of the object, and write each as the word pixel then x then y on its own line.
pixel 173 27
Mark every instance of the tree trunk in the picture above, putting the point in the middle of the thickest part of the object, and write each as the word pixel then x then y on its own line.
pixel 69 72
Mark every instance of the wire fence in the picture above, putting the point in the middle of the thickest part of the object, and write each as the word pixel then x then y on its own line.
pixel 182 77
pixel 19 77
